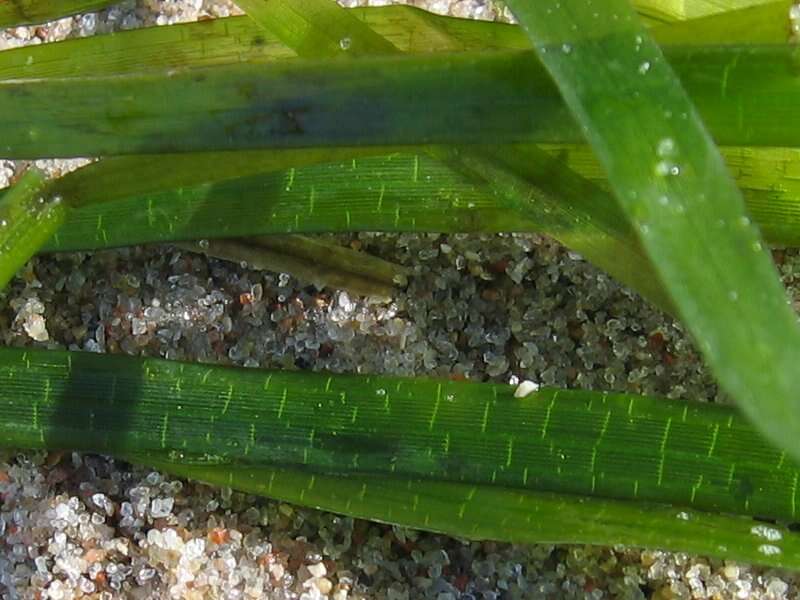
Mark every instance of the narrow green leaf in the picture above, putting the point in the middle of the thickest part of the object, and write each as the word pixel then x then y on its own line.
pixel 768 177
pixel 700 456
pixel 240 39
pixel 681 10
pixel 297 104
pixel 14 13
pixel 398 192
pixel 368 102
pixel 122 177
pixel 28 218
pixel 672 183
pixel 487 512
pixel 760 24
pixel 316 29
pixel 311 260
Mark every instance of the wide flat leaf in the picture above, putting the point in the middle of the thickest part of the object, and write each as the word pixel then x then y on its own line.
pixel 628 447
pixel 396 192
pixel 670 180
pixel 504 97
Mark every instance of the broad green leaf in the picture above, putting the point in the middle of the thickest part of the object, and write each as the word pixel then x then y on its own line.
pixel 557 201
pixel 397 192
pixel 675 189
pixel 239 39
pixel 28 217
pixel 286 104
pixel 504 97
pixel 700 456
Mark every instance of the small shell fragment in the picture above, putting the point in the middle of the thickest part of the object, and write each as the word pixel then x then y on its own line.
pixel 525 388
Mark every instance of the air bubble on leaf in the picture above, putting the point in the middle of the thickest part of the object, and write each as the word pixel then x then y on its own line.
pixel 345 43
pixel 664 168
pixel 566 48
pixel 663 200
pixel 769 549
pixel 666 147
pixel 644 67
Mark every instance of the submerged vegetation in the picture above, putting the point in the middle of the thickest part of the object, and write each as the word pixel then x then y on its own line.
pixel 590 123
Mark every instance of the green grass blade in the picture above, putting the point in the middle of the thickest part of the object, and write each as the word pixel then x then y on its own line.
pixel 505 97
pixel 760 24
pixel 401 192
pixel 240 39
pixel 700 456
pixel 316 29
pixel 768 177
pixel 28 218
pixel 398 192
pixel 681 10
pixel 672 183
pixel 409 29
pixel 487 512
pixel 14 13
pixel 297 104
pixel 121 177
pixel 586 225
pixel 310 260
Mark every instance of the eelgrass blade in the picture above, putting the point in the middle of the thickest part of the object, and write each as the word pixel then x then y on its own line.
pixel 14 13
pixel 673 185
pixel 504 97
pixel 397 192
pixel 769 179
pixel 316 29
pixel 380 101
pixel 681 10
pixel 759 24
pixel 123 177
pixel 699 456
pixel 239 39
pixel 483 512
pixel 28 218
pixel 310 260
